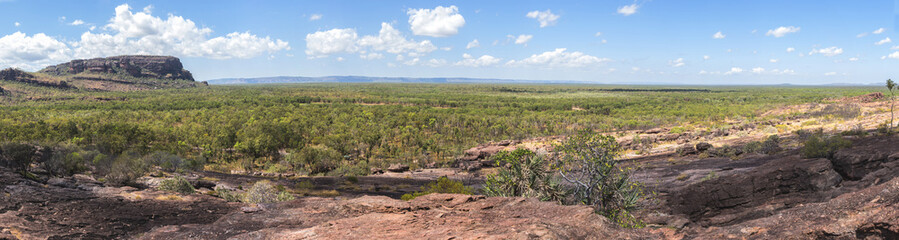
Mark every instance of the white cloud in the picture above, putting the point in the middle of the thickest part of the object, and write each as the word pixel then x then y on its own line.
pixel 559 58
pixel 894 55
pixel 706 57
pixel 322 44
pixel 603 41
pixel 143 33
pixel 392 41
pixel 781 31
pixel 546 18
pixel 884 41
pixel 17 24
pixel 522 39
pixel 878 31
pixel 315 17
pixel 31 52
pixel 830 73
pixel 757 70
pixel 371 56
pixel 718 35
pixel 789 50
pixel 895 47
pixel 772 60
pixel 830 52
pixel 628 10
pixel 340 59
pixel 484 60
pixel 76 22
pixel 860 35
pixel 437 22
pixel 784 72
pixel 734 70
pixel 677 62
pixel 473 44
pixel 853 59
pixel 598 34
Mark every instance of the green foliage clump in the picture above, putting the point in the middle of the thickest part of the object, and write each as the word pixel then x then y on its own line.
pixel 266 192
pixel 442 185
pixel 770 145
pixel 726 151
pixel 228 195
pixel 820 146
pixel 125 169
pixel 588 161
pixel 176 184
pixel 523 173
pixel 17 156
pixel 315 159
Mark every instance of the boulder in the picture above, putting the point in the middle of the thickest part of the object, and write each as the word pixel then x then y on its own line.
pixel 398 167
pixel 703 146
pixel 686 149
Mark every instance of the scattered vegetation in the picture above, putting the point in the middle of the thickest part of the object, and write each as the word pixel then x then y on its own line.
pixel 265 192
pixel 442 185
pixel 770 145
pixel 176 184
pixel 523 174
pixel 820 145
pixel 587 162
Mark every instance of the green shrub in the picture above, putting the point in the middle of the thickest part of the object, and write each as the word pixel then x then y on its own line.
pixel 125 169
pixel 442 185
pixel 228 195
pixel 588 161
pixel 315 159
pixel 726 151
pixel 771 145
pixel 166 161
pixel 17 156
pixel 176 184
pixel 285 196
pixel 523 174
pixel 261 192
pixel 677 130
pixel 820 146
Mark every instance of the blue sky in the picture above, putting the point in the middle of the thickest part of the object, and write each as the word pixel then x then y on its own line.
pixel 760 42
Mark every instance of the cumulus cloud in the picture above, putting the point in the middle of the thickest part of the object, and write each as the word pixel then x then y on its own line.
pixel 883 41
pixel 772 60
pixel 677 62
pixel 895 47
pixel 734 70
pixel 878 31
pixel 437 22
pixel 76 22
pixel 324 43
pixel 628 10
pixel 17 24
pixel 371 56
pixel 789 50
pixel 546 18
pixel 484 60
pixel 473 44
pixel 522 39
pixel 598 34
pixel 143 33
pixel 559 58
pixel 894 55
pixel 706 57
pixel 31 52
pixel 830 52
pixel 392 41
pixel 758 70
pixel 830 73
pixel 853 59
pixel 315 17
pixel 781 31
pixel 718 35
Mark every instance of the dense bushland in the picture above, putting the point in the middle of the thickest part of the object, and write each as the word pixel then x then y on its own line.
pixel 347 128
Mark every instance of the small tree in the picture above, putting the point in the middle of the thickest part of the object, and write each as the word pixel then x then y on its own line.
pixel 588 161
pixel 523 174
pixel 890 86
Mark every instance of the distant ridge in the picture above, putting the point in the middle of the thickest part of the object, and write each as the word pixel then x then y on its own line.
pixel 364 79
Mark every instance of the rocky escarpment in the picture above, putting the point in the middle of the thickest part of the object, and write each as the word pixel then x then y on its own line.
pixel 16 75
pixel 158 67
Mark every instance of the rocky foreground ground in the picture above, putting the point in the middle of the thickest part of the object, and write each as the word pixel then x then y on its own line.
pixel 853 196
